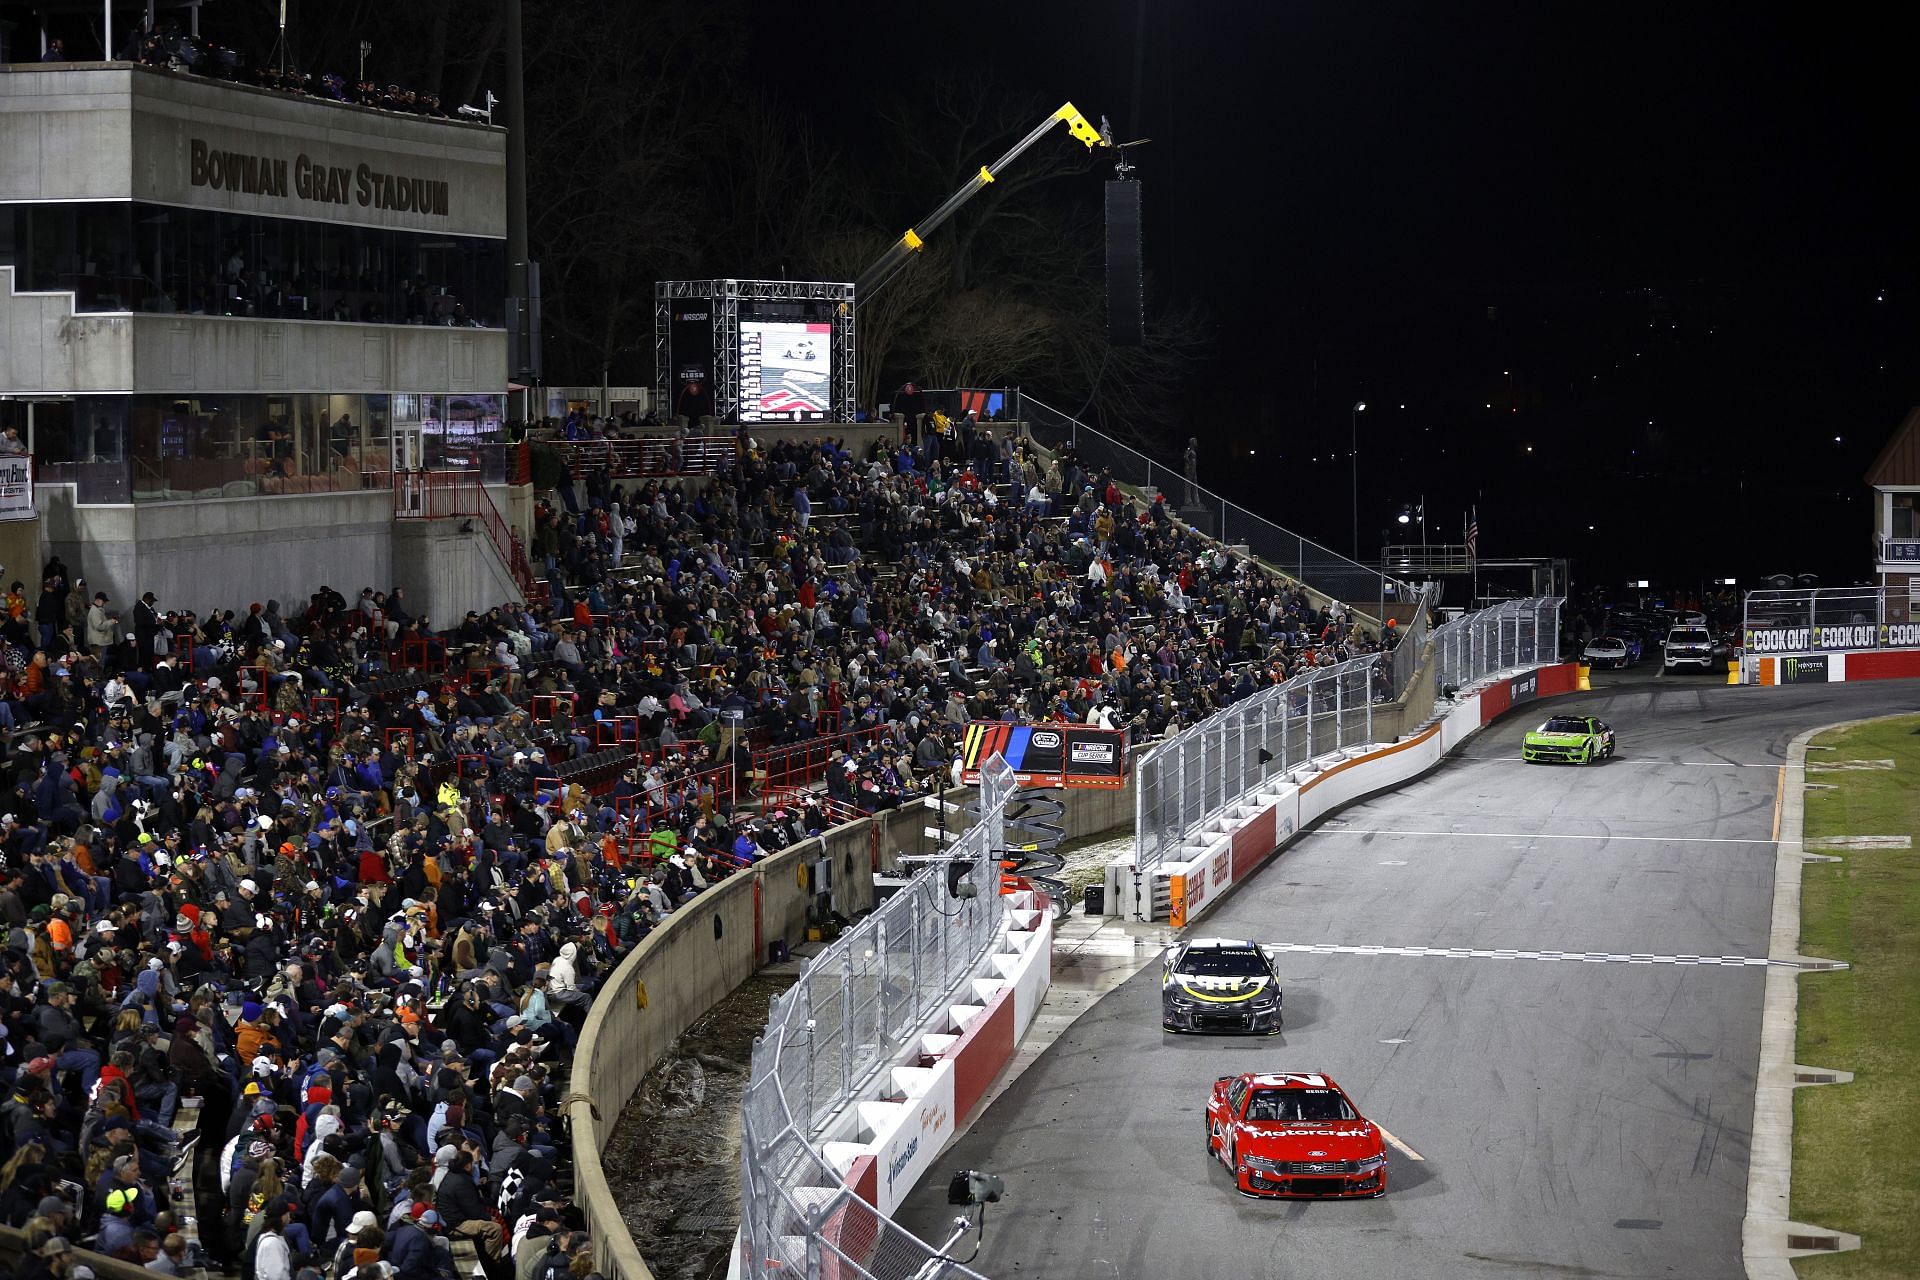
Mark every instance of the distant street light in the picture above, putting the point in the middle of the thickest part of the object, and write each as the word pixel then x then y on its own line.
pixel 1353 424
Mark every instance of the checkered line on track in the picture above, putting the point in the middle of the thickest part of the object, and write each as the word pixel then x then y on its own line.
pixel 1477 953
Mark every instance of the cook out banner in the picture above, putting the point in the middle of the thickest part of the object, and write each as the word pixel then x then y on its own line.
pixel 1854 636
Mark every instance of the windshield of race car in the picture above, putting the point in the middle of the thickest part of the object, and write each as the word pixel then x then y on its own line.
pixel 1564 724
pixel 1298 1104
pixel 1220 962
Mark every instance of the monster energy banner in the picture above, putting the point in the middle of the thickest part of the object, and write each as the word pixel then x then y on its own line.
pixel 1804 669
pixel 1866 635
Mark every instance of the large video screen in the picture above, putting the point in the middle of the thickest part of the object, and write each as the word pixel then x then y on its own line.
pixel 784 370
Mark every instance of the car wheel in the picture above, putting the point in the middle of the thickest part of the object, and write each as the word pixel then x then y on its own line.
pixel 1208 1125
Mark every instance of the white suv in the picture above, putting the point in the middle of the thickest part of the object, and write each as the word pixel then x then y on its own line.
pixel 1689 647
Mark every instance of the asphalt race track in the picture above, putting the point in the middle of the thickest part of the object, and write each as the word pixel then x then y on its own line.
pixel 1574 1118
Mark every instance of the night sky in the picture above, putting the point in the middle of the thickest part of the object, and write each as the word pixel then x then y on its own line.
pixel 1673 251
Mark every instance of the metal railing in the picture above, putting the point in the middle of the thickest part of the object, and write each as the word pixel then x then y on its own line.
pixel 1194 775
pixel 851 1016
pixel 1814 607
pixel 660 455
pixel 433 495
pixel 1515 633
pixel 1300 558
pixel 1408 650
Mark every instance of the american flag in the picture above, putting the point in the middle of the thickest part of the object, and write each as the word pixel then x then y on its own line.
pixel 1473 535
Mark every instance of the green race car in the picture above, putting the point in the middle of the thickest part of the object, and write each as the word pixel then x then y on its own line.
pixel 1568 740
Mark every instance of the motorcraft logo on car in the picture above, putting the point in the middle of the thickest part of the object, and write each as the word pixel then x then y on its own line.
pixel 1092 752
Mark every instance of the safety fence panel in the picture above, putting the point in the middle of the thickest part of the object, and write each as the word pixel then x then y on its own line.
pixel 829 1036
pixel 1514 633
pixel 1197 773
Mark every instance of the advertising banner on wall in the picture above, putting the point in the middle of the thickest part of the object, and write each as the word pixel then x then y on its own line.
pixel 16 488
pixel 1841 639
pixel 1052 754
pixel 1805 668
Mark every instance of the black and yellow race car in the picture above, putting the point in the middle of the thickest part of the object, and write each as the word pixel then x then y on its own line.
pixel 1219 985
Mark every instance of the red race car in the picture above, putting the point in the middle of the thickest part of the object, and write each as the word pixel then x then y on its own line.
pixel 1294 1134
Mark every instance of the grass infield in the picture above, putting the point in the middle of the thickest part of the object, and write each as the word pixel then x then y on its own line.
pixel 1856 1147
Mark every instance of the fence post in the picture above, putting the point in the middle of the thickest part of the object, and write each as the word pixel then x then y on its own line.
pixel 1396 693
pixel 882 1026
pixel 846 1022
pixel 1339 714
pixel 913 963
pixel 1309 719
pixel 1180 792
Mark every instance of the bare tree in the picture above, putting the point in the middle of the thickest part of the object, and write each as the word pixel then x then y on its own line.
pixel 888 316
pixel 983 337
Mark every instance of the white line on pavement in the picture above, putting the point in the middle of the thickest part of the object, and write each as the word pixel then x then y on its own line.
pixel 1398 1145
pixel 1625 760
pixel 1505 953
pixel 1331 830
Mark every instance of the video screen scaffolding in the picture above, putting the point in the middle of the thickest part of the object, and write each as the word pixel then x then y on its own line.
pixel 755 351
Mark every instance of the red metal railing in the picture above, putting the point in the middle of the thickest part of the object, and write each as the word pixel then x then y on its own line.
pixel 649 456
pixel 636 814
pixel 781 772
pixel 439 495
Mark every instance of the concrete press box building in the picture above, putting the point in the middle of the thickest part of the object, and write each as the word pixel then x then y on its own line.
pixel 229 319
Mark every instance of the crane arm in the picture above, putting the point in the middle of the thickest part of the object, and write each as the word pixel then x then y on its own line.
pixel 901 251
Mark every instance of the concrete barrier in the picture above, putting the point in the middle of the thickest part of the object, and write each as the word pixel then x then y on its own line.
pixel 710 946
pixel 682 969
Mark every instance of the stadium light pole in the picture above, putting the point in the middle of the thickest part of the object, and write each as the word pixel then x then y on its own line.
pixel 1353 423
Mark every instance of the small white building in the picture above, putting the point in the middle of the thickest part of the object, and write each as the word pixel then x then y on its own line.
pixel 1895 477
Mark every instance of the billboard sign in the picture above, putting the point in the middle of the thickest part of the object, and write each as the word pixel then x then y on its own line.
pixel 785 370
pixel 1051 754
pixel 1841 639
pixel 16 487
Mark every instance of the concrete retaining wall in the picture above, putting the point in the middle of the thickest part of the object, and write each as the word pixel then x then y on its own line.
pixel 678 972
pixel 224 552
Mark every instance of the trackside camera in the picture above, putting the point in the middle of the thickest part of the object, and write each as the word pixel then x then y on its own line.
pixel 969 1186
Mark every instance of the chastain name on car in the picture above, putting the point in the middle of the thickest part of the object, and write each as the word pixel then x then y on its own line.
pixel 1221 986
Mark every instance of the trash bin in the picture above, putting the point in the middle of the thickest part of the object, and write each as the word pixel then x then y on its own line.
pixel 1095 899
pixel 777 952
